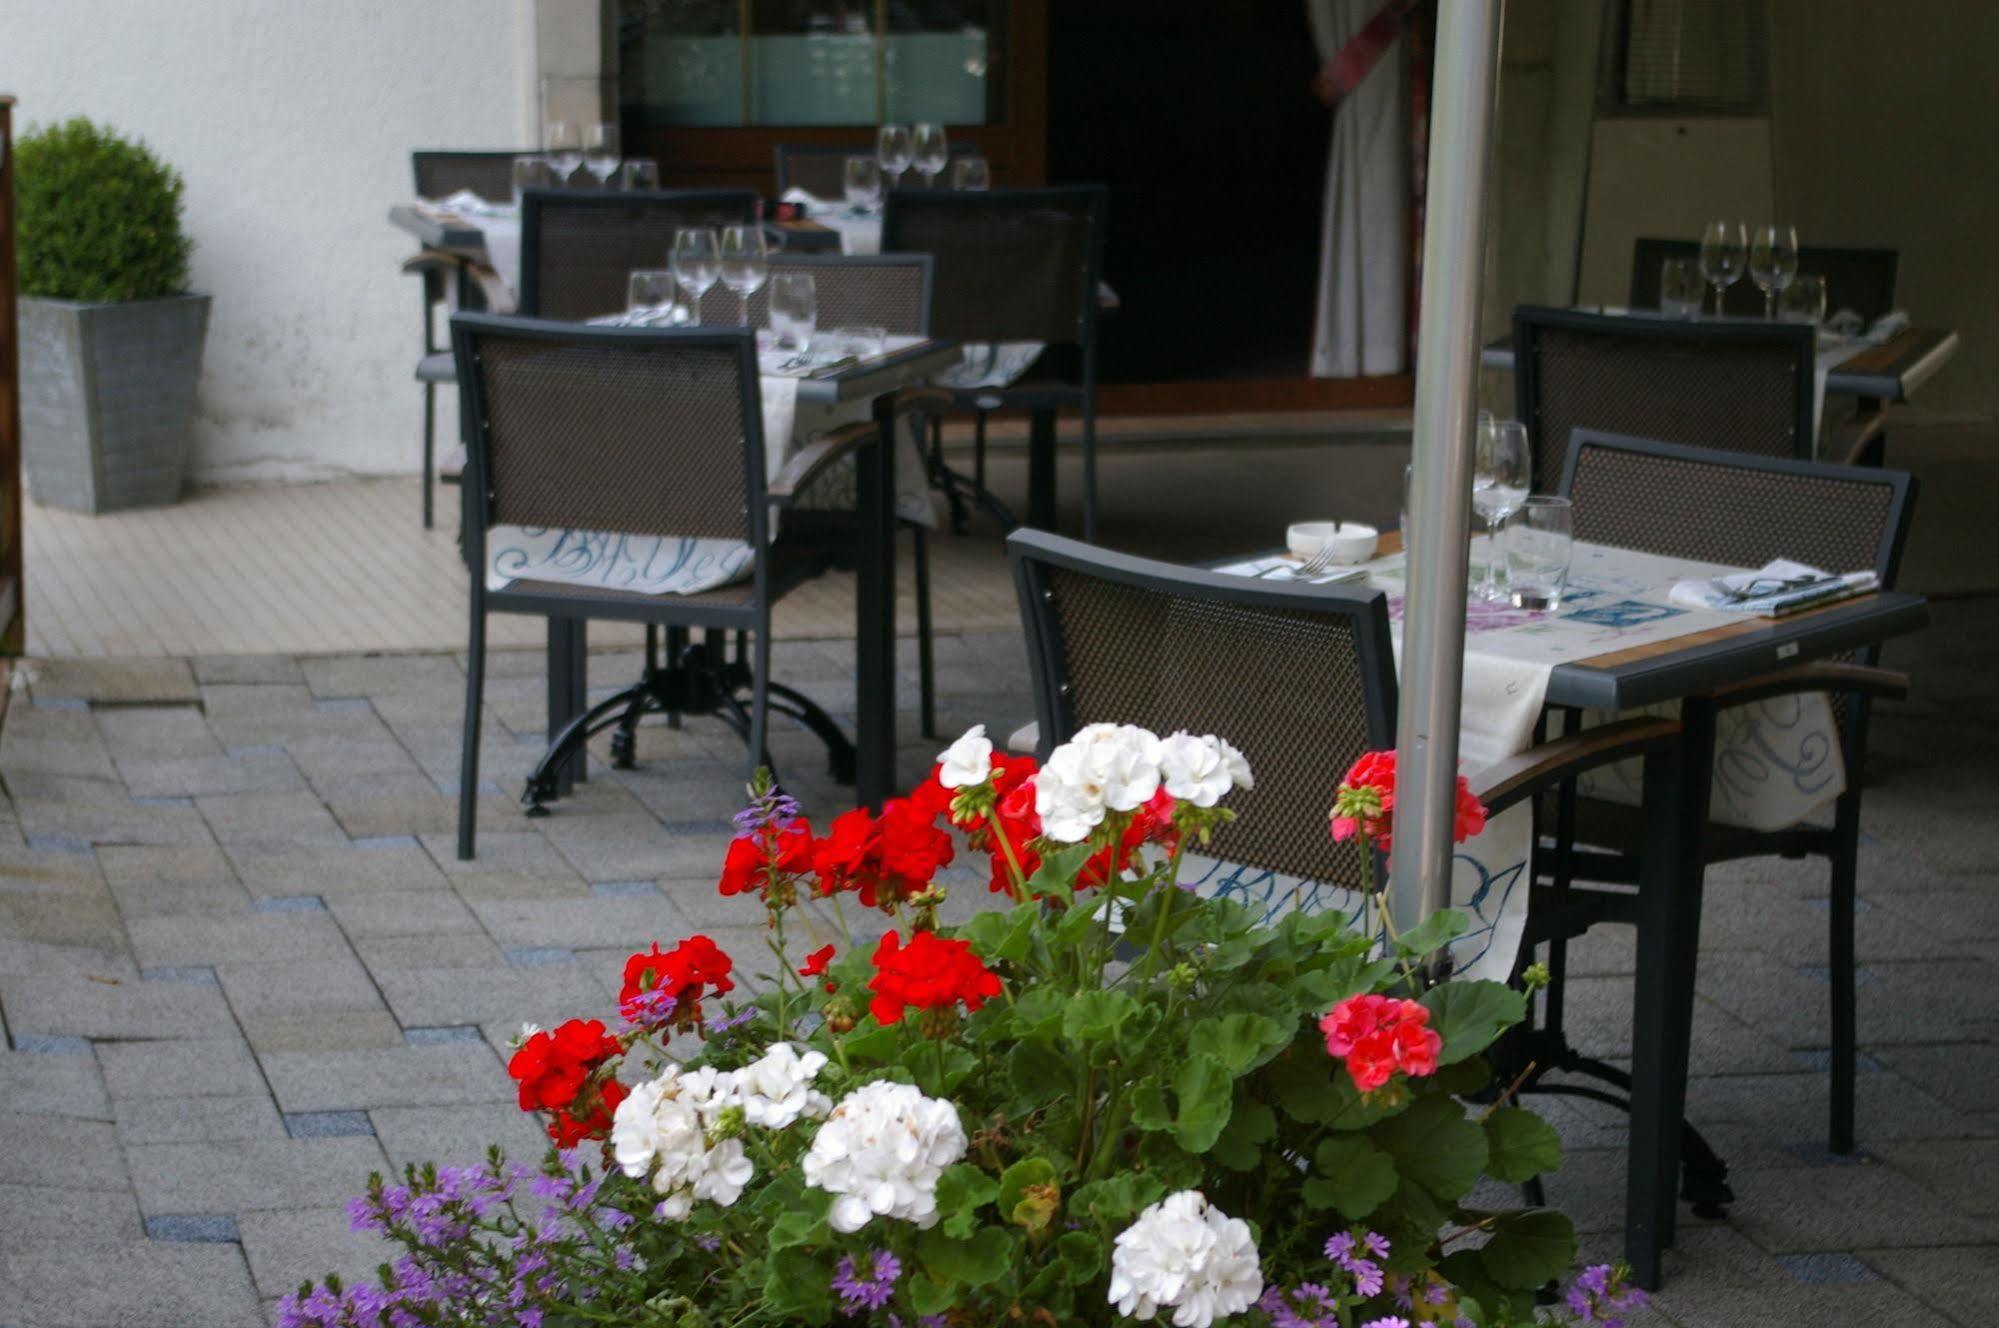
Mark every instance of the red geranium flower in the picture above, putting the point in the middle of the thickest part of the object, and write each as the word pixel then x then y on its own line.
pixel 568 1130
pixel 1378 1035
pixel 1365 804
pixel 695 968
pixel 929 973
pixel 552 1068
pixel 753 860
pixel 884 860
pixel 815 963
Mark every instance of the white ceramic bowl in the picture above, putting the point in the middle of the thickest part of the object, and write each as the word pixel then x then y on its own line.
pixel 1351 541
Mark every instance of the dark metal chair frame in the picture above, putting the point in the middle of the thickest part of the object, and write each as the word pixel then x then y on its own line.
pixel 698 679
pixel 1862 280
pixel 1854 685
pixel 1798 340
pixel 1042 400
pixel 783 155
pixel 741 204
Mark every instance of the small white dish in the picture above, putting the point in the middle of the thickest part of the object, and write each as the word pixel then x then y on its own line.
pixel 1351 541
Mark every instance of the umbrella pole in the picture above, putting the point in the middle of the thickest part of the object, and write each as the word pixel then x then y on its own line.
pixel 1433 624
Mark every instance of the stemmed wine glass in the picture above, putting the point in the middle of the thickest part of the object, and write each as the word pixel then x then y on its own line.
pixel 930 152
pixel 745 263
pixel 1773 261
pixel 600 152
pixel 1724 250
pixel 894 151
pixel 564 147
pixel 1500 481
pixel 862 183
pixel 697 263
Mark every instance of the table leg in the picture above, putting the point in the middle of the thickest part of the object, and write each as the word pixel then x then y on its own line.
pixel 874 613
pixel 1875 453
pixel 1650 1178
pixel 1689 868
pixel 1041 469
pixel 567 687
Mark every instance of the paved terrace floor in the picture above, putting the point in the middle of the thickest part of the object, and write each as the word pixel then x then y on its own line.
pixel 240 967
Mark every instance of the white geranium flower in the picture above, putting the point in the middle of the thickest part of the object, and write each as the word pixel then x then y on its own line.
pixel 880 1154
pixel 1184 1255
pixel 1104 768
pixel 1201 769
pixel 660 1133
pixel 777 1087
pixel 967 762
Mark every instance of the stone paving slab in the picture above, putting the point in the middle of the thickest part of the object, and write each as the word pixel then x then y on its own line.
pixel 400 1076
pixel 250 1174
pixel 457 1135
pixel 32 1084
pixel 204 1067
pixel 83 1008
pixel 113 681
pixel 60 1150
pixel 192 1120
pixel 285 1248
pixel 63 1284
pixel 31 1213
pixel 234 937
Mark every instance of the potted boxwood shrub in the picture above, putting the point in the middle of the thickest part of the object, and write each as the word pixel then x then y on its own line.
pixel 110 339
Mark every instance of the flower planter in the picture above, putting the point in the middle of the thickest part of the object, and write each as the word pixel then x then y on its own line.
pixel 107 399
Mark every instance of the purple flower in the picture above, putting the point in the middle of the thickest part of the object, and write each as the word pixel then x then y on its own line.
pixel 724 1023
pixel 1601 1295
pixel 869 1291
pixel 1376 1243
pixel 1308 1305
pixel 647 1009
pixel 1339 1247
pixel 1388 1321
pixel 772 808
pixel 1367 1276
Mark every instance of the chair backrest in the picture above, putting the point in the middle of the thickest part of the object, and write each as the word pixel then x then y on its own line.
pixel 578 247
pixel 1862 280
pixel 1740 387
pixel 1696 502
pixel 1012 264
pixel 488 174
pixel 820 169
pixel 888 291
pixel 637 430
pixel 1300 678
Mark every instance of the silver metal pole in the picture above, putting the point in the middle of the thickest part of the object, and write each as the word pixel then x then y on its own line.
pixel 1433 625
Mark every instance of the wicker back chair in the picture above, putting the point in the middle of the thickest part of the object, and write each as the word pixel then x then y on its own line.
pixel 1745 510
pixel 490 175
pixel 888 291
pixel 578 247
pixel 1014 265
pixel 820 169
pixel 1862 280
pixel 1739 387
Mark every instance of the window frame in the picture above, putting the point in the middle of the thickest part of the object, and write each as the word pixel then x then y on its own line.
pixel 1610 96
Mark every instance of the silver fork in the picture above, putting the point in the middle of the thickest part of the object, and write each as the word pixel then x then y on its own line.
pixel 1312 566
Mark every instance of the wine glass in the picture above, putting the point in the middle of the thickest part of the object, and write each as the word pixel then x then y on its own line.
pixel 531 173
pixel 1802 300
pixel 1680 287
pixel 1724 250
pixel 697 263
pixel 1539 549
pixel 640 173
pixel 745 263
pixel 648 295
pixel 971 174
pixel 1773 261
pixel 1500 481
pixel 862 183
pixel 794 310
pixel 893 151
pixel 929 151
pixel 600 152
pixel 564 146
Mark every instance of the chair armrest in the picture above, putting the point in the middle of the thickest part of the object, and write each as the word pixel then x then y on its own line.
pixel 428 261
pixel 921 398
pixel 808 462
pixel 1818 676
pixel 1518 778
pixel 1858 437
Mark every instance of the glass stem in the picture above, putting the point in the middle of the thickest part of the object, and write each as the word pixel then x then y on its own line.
pixel 1770 303
pixel 1718 288
pixel 743 298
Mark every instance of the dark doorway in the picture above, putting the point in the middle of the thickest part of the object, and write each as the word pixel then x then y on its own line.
pixel 1200 118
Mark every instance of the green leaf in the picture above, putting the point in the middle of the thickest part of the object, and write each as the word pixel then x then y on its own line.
pixel 1520 1145
pixel 1239 1042
pixel 1250 1124
pixel 921 1058
pixel 927 1295
pixel 797 1287
pixel 1432 933
pixel 1114 1202
pixel 1056 876
pixel 1014 1183
pixel 1529 1249
pixel 1435 1146
pixel 1082 1256
pixel 1096 1016
pixel 799 1227
pixel 1357 1177
pixel 1039 1011
pixel 877 1045
pixel 1470 1015
pixel 1039 1071
pixel 961 1190
pixel 1466 1271
pixel 1204 1090
pixel 1001 936
pixel 970 1261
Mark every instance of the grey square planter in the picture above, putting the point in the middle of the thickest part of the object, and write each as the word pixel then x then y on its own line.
pixel 107 399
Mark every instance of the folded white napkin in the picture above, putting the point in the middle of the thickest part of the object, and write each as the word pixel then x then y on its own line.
pixel 810 202
pixel 468 204
pixel 658 315
pixel 1777 588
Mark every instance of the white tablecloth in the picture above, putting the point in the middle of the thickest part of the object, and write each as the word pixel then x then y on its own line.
pixel 1776 763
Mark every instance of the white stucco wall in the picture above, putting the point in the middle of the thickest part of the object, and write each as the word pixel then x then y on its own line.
pixel 292 122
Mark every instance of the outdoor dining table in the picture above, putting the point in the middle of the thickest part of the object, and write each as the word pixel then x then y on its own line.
pixel 1667 666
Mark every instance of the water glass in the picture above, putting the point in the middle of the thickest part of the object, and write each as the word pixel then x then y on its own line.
pixel 1773 261
pixel 649 295
pixel 1540 545
pixel 1803 300
pixel 639 173
pixel 862 183
pixel 697 263
pixel 1680 288
pixel 971 174
pixel 745 263
pixel 929 152
pixel 1500 480
pixel 531 173
pixel 600 152
pixel 563 143
pixel 794 310
pixel 894 151
pixel 1724 253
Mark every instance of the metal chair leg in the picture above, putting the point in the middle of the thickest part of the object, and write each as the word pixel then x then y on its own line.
pixel 429 448
pixel 926 669
pixel 1090 471
pixel 1842 966
pixel 468 757
pixel 760 700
